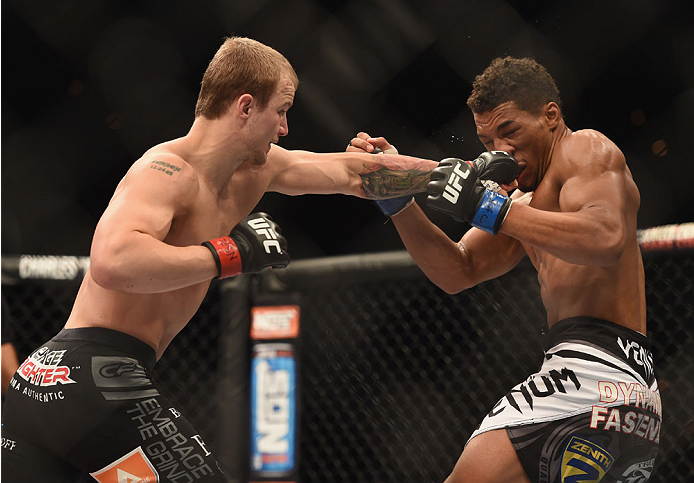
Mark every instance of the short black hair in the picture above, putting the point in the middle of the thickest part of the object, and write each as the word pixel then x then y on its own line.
pixel 522 81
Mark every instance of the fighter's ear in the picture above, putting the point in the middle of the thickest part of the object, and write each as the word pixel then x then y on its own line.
pixel 552 115
pixel 243 105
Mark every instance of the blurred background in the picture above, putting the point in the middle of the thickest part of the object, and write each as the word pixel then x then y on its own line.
pixel 395 372
pixel 89 85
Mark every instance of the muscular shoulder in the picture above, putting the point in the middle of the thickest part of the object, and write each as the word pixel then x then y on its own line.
pixel 587 152
pixel 257 177
pixel 161 175
pixel 165 167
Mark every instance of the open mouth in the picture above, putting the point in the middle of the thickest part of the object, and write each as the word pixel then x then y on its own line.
pixel 520 174
pixel 520 179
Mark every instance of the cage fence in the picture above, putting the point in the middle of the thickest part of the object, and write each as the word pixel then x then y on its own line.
pixel 395 374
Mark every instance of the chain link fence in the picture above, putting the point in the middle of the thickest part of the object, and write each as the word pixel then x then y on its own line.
pixel 396 374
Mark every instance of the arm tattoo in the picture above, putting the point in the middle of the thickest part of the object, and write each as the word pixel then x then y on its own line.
pixel 394 175
pixel 164 167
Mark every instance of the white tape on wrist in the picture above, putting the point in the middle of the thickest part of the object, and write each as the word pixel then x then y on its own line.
pixel 510 202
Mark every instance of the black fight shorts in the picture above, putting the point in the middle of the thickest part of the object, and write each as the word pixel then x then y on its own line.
pixel 84 403
pixel 592 413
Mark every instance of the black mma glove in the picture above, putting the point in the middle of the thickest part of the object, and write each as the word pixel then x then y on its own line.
pixel 462 189
pixel 392 206
pixel 253 245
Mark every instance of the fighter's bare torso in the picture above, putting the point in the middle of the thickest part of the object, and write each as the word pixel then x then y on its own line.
pixel 614 292
pixel 156 318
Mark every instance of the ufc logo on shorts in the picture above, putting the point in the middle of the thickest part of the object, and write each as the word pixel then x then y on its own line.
pixel 263 228
pixel 453 188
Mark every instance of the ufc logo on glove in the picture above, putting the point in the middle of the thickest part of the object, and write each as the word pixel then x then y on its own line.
pixel 263 228
pixel 254 244
pixel 453 188
pixel 467 191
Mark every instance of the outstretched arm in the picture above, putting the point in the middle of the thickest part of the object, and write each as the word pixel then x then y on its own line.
pixel 128 252
pixel 364 175
pixel 452 266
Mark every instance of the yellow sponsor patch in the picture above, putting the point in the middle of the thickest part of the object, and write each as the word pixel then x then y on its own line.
pixel 584 462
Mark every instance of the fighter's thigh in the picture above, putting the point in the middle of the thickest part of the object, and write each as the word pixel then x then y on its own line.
pixel 489 458
pixel 151 435
pixel 22 461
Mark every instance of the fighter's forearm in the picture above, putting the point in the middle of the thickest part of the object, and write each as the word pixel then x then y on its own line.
pixel 439 257
pixel 585 237
pixel 139 263
pixel 371 176
pixel 386 176
pixel 455 267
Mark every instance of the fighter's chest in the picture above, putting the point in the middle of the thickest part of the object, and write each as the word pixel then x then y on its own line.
pixel 212 216
pixel 547 196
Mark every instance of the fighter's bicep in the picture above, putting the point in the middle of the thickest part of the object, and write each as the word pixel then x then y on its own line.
pixel 313 178
pixel 601 195
pixel 303 172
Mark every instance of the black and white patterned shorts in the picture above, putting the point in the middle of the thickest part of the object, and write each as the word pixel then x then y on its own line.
pixel 591 413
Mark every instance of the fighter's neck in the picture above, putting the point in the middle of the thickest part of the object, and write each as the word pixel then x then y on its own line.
pixel 212 148
pixel 559 133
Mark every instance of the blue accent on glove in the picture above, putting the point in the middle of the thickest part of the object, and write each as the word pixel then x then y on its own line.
pixel 393 206
pixel 491 206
